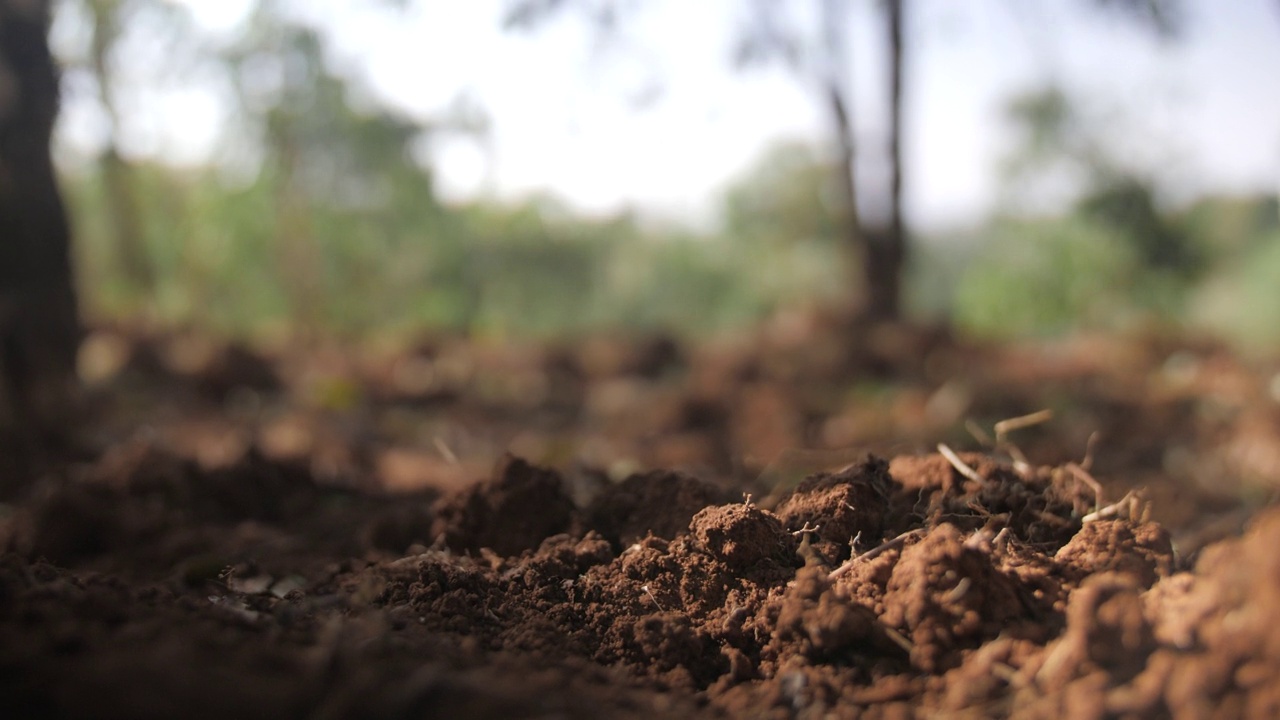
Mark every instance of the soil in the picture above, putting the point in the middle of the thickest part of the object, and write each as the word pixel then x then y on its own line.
pixel 588 532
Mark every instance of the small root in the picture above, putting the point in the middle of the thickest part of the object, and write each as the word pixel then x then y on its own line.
pixel 444 450
pixel 805 529
pixel 649 592
pixel 985 540
pixel 1128 506
pixel 960 465
pixel 961 589
pixel 1007 673
pixel 979 434
pixel 1004 427
pixel 873 552
pixel 1081 474
pixel 1087 462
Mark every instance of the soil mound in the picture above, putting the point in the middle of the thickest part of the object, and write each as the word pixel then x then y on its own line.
pixel 909 587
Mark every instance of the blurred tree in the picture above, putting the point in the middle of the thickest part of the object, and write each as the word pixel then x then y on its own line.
pixel 107 25
pixel 1046 276
pixel 812 41
pixel 1163 17
pixel 772 33
pixel 818 53
pixel 1238 299
pixel 1116 258
pixel 1127 203
pixel 1056 139
pixel 330 179
pixel 39 328
pixel 787 195
pixel 327 159
pixel 1060 150
pixel 118 175
pixel 319 208
pixel 888 255
pixel 1222 227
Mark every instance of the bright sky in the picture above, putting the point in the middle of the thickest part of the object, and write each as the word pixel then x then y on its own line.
pixel 664 122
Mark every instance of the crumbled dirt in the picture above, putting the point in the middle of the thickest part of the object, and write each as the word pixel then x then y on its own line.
pixel 149 583
pixel 513 512
pixel 654 503
pixel 993 598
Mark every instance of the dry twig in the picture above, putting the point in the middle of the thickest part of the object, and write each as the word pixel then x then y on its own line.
pixel 1081 474
pixel 1087 462
pixel 1004 427
pixel 1002 430
pixel 873 552
pixel 805 529
pixel 1128 505
pixel 960 465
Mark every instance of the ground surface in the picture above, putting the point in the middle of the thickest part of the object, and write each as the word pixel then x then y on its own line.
pixel 474 531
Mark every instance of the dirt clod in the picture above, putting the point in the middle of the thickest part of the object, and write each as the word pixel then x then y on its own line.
pixel 744 537
pixel 660 503
pixel 513 512
pixel 844 506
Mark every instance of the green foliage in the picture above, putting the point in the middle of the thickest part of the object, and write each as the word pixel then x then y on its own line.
pixel 1220 229
pixel 1046 277
pixel 787 196
pixel 1117 258
pixel 933 274
pixel 1241 299
pixel 1048 123
pixel 338 228
pixel 1127 204
pixel 406 266
pixel 1051 275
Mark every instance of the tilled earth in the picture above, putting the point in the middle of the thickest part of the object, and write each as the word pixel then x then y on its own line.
pixel 150 581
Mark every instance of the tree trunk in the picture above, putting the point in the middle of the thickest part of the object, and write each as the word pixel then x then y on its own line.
pixel 845 165
pixel 39 327
pixel 117 172
pixel 838 101
pixel 886 251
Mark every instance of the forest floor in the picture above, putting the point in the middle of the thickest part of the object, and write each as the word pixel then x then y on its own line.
pixel 797 522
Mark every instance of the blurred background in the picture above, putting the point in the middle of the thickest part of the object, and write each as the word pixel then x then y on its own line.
pixel 540 168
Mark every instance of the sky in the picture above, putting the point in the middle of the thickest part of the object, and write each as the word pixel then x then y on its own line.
pixel 660 120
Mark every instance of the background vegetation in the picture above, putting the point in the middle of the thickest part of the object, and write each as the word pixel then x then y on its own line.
pixel 335 227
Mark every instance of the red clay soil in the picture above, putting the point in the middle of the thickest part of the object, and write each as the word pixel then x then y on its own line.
pixel 147 587
pixel 317 535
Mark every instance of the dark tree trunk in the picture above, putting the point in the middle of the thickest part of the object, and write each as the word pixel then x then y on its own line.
pixel 39 328
pixel 886 251
pixel 854 238
pixel 838 101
